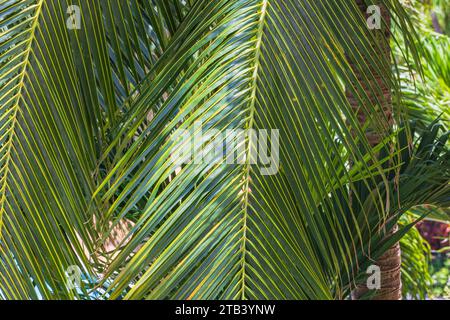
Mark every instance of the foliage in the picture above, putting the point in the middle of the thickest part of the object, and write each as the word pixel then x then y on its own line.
pixel 416 258
pixel 440 270
pixel 425 86
pixel 426 93
pixel 87 125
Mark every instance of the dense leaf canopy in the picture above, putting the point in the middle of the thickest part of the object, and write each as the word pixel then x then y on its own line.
pixel 89 119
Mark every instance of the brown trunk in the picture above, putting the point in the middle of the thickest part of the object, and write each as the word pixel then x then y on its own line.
pixel 390 262
pixel 391 282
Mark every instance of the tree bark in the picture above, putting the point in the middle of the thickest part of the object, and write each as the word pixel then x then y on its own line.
pixel 390 262
pixel 391 282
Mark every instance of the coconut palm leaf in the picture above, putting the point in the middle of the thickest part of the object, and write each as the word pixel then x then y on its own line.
pixel 210 230
pixel 60 90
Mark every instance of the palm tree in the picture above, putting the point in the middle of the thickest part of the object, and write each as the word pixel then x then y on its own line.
pixel 90 119
pixel 381 102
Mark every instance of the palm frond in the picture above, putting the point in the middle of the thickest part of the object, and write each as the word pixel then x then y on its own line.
pixel 212 230
pixel 60 91
pixel 90 136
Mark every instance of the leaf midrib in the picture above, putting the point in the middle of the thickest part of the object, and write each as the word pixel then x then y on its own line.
pixel 247 170
pixel 16 108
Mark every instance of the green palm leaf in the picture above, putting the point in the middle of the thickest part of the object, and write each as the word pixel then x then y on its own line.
pixel 56 107
pixel 91 120
pixel 211 230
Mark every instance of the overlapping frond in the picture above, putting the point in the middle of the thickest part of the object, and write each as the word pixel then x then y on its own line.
pixel 100 112
pixel 213 230
pixel 17 27
pixel 65 71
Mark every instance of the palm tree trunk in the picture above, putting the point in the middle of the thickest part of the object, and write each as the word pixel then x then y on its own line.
pixel 390 262
pixel 391 282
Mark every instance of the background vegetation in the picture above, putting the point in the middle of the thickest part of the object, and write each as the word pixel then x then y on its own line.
pixel 426 254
